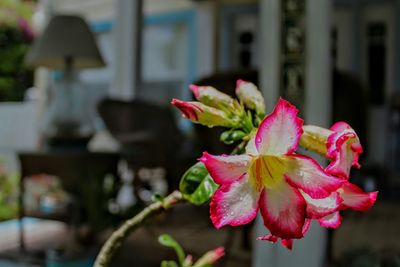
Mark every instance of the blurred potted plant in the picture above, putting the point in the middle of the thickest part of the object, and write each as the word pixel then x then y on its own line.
pixel 9 188
pixel 16 35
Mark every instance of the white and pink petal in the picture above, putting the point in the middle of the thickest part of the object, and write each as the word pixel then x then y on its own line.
pixel 305 173
pixel 355 198
pixel 288 243
pixel 251 148
pixel 340 126
pixel 318 208
pixel 279 133
pixel 283 210
pixel 268 237
pixel 234 204
pixel 225 168
pixel 331 221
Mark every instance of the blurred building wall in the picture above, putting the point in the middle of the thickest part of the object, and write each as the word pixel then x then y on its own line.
pixel 19 131
pixel 353 23
pixel 93 10
pixel 311 250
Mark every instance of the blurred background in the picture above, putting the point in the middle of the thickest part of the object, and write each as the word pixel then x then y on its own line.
pixel 87 133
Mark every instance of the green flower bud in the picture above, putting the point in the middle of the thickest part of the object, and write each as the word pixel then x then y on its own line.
pixel 199 113
pixel 212 97
pixel 229 137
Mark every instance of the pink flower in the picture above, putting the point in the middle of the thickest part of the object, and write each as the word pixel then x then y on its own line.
pixel 340 144
pixel 326 210
pixel 343 149
pixel 352 197
pixel 270 177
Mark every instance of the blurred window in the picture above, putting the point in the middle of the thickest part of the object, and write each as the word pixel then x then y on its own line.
pixel 239 38
pixel 169 56
pixel 164 62
pixel 376 49
pixel 244 48
pixel 164 52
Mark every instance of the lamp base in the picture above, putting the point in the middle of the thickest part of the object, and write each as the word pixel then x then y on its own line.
pixel 67 142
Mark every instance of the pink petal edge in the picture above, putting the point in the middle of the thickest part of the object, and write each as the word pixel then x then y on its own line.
pixel 195 90
pixel 225 168
pixel 288 243
pixel 356 199
pixel 340 126
pixel 234 204
pixel 283 211
pixel 341 160
pixel 318 208
pixel 279 133
pixel 308 175
pixel 331 221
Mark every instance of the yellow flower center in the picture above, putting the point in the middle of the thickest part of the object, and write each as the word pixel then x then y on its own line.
pixel 267 171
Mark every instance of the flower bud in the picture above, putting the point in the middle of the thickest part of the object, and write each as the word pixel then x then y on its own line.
pixel 251 97
pixel 340 144
pixel 199 113
pixel 212 97
pixel 188 261
pixel 210 257
pixel 229 137
pixel 315 138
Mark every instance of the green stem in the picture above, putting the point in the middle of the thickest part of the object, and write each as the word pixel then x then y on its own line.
pixel 114 242
pixel 247 123
pixel 239 148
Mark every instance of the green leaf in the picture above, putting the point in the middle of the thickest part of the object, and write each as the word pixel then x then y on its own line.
pixel 168 241
pixel 169 264
pixel 196 184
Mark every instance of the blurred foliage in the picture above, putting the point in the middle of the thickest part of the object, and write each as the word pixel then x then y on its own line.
pixel 9 188
pixel 13 11
pixel 16 36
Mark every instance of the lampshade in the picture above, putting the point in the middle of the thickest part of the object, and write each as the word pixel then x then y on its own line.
pixel 66 38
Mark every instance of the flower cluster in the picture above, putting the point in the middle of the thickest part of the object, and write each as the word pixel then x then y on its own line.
pixel 289 189
pixel 214 108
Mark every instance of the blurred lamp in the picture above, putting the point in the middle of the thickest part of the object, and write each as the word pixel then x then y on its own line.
pixel 67 44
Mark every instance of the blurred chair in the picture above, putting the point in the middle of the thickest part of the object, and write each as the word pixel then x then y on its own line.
pixel 147 133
